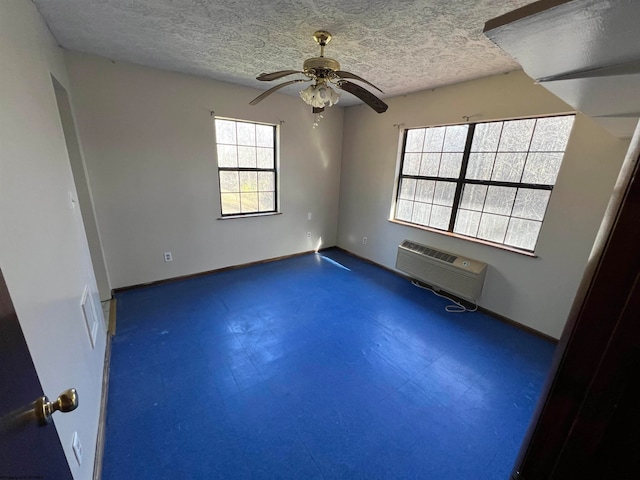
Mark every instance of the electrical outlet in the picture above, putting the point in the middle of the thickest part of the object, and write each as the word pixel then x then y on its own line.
pixel 168 257
pixel 309 216
pixel 364 240
pixel 77 447
pixel 308 234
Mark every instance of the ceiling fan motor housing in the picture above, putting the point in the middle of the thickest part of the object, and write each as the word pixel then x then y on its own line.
pixel 319 64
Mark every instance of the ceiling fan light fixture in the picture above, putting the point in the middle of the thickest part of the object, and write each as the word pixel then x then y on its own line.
pixel 319 95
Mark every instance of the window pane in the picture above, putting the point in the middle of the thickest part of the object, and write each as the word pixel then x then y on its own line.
pixel 230 203
pixel 415 140
pixel 493 227
pixel 500 200
pixel 266 181
pixel 430 164
pixel 508 167
pixel 523 233
pixel 467 222
pixel 229 182
pixel 246 134
pixel 486 137
pixel 408 188
pixel 403 210
pixel 473 197
pixel 542 168
pixel 502 159
pixel 227 156
pixel 411 165
pixel 226 132
pixel 421 213
pixel 516 135
pixel 455 138
pixel 440 217
pixel 424 190
pixel 531 204
pixel 552 134
pixel 246 166
pixel 247 157
pixel 444 193
pixel 267 201
pixel 265 157
pixel 248 181
pixel 434 137
pixel 264 136
pixel 450 165
pixel 480 166
pixel 248 202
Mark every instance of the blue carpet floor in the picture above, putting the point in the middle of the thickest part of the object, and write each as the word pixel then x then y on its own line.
pixel 315 367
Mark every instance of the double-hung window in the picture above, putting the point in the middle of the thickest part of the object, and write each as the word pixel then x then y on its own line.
pixel 491 181
pixel 246 167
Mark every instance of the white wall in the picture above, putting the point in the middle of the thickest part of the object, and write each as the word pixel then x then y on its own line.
pixel 43 248
pixel 148 140
pixel 536 292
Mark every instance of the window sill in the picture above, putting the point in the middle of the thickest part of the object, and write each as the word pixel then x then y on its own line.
pixel 249 215
pixel 468 239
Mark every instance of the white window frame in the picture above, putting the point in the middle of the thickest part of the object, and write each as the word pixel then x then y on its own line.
pixel 275 169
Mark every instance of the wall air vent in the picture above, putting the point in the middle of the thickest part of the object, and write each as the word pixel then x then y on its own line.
pixel 442 270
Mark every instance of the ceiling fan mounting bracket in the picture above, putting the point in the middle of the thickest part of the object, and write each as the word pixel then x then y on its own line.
pixel 322 37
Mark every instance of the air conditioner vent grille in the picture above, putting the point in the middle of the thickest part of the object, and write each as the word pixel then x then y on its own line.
pixel 429 252
pixel 453 273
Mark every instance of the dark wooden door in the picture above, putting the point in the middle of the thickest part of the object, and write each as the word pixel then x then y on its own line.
pixel 588 422
pixel 27 450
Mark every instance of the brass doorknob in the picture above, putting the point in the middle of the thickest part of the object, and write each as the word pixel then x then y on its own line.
pixel 66 402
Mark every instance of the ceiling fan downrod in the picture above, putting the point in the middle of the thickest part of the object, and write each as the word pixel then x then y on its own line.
pixel 322 37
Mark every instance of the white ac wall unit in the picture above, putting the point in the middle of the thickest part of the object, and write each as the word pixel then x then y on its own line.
pixel 442 270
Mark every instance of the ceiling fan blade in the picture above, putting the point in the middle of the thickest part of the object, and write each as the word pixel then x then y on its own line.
pixel 364 95
pixel 264 95
pixel 353 76
pixel 267 77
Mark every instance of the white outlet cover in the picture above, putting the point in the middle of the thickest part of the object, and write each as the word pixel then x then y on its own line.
pixel 77 447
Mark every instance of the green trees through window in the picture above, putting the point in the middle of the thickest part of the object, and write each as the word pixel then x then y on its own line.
pixel 246 167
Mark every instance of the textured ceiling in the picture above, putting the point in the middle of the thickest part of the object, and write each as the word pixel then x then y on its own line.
pixel 400 45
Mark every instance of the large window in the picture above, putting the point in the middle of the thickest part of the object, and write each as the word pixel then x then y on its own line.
pixel 490 181
pixel 246 167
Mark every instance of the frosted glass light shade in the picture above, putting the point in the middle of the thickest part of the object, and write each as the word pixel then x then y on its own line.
pixel 319 96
